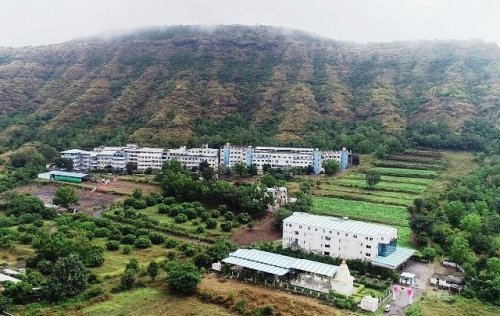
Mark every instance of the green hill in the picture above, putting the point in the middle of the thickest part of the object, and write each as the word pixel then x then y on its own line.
pixel 185 84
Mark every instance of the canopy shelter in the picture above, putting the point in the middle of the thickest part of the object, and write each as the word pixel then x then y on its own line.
pixel 277 264
pixel 395 259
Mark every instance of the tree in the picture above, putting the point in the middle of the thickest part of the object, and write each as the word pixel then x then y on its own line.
pixel 220 249
pixel 130 167
pixel 142 242
pixel 202 260
pixel 226 226
pixel 250 225
pixel 372 178
pixel 252 170
pixel 428 253
pixel 183 278
pixel 153 269
pixel 65 196
pixel 137 194
pixel 127 280
pixel 208 173
pixel 132 265
pixel 240 168
pixel 18 292
pixel 64 163
pixel 268 180
pixel 331 167
pixel 68 279
pixel 460 252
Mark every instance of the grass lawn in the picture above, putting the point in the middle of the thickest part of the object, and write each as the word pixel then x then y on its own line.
pixel 409 180
pixel 383 186
pixel 372 212
pixel 404 236
pixel 403 172
pixel 114 261
pixel 443 304
pixel 149 301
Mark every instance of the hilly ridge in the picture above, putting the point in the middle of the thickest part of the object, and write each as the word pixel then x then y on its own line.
pixel 186 84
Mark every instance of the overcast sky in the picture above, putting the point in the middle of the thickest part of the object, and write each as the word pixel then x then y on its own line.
pixel 35 22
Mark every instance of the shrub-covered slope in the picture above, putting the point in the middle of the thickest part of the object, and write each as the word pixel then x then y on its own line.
pixel 187 84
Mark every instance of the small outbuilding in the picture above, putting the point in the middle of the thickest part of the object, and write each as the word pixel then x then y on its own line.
pixel 369 303
pixel 407 278
pixel 64 176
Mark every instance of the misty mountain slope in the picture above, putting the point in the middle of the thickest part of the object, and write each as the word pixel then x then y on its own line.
pixel 171 86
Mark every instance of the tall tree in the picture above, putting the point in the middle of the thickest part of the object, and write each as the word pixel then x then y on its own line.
pixel 183 278
pixel 331 167
pixel 65 196
pixel 372 178
pixel 68 279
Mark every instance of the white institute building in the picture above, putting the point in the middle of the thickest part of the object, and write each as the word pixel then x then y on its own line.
pixel 117 157
pixel 344 238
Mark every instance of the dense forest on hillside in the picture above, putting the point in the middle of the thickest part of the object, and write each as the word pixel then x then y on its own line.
pixel 259 85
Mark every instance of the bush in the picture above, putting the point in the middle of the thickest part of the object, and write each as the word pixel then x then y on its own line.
pixel 244 218
pixel 127 249
pixel 181 218
pixel 112 245
pixel 214 214
pixel 183 278
pixel 163 209
pixel 211 223
pixel 204 216
pixel 226 226
pixel 169 200
pixel 156 238
pixel 93 292
pixel 141 232
pixel 190 213
pixel 171 243
pixel 128 239
pixel 143 242
pixel 222 209
pixel 229 216
pixel 202 260
pixel 127 280
pixel 45 266
pixel 199 230
pixel 101 232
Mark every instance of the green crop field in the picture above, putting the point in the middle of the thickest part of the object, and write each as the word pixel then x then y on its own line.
pixel 372 212
pixel 403 172
pixel 388 194
pixel 384 186
pixel 421 181
pixel 404 236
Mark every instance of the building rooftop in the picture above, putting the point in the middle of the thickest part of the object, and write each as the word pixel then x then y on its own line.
pixel 339 224
pixel 5 278
pixel 284 148
pixel 395 259
pixel 66 174
pixel 267 261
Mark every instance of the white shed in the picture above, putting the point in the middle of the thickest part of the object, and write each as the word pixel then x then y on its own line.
pixel 369 303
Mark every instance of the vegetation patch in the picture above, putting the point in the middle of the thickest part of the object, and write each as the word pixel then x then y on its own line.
pixel 372 212
pixel 416 173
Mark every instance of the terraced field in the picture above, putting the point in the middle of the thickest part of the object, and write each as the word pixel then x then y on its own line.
pixel 403 178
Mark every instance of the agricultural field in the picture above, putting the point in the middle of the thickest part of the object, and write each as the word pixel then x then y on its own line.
pixel 404 178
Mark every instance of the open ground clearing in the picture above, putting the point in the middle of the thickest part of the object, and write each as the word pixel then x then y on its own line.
pixel 262 231
pixel 121 186
pixel 93 203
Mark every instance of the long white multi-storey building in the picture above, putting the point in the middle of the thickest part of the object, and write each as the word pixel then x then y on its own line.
pixel 344 238
pixel 117 157
pixel 282 157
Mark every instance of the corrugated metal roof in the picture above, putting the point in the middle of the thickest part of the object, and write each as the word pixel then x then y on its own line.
pixel 339 224
pixel 256 266
pixel 284 262
pixel 395 259
pixel 68 174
